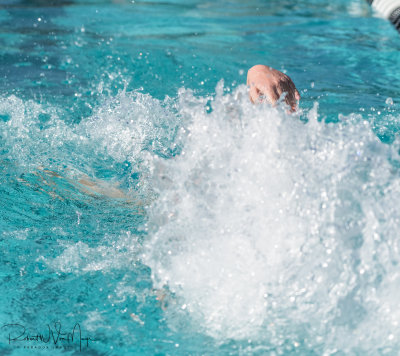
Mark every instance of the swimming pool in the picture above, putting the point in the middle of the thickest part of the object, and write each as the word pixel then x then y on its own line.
pixel 145 201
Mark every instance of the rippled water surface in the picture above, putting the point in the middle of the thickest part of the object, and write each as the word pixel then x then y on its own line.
pixel 145 199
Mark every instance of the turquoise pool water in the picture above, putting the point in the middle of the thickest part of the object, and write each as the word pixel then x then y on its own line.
pixel 146 200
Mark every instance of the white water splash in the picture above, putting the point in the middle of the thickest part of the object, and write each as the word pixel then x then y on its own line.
pixel 270 229
pixel 265 228
pixel 81 258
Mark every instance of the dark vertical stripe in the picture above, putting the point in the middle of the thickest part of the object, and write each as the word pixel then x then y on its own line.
pixel 395 18
pixel 395 15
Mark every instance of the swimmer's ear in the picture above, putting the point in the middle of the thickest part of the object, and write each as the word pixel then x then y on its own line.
pixel 254 93
pixel 297 95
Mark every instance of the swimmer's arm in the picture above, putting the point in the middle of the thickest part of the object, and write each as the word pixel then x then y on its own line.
pixel 266 82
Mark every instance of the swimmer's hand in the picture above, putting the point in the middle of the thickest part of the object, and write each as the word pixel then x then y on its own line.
pixel 269 84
